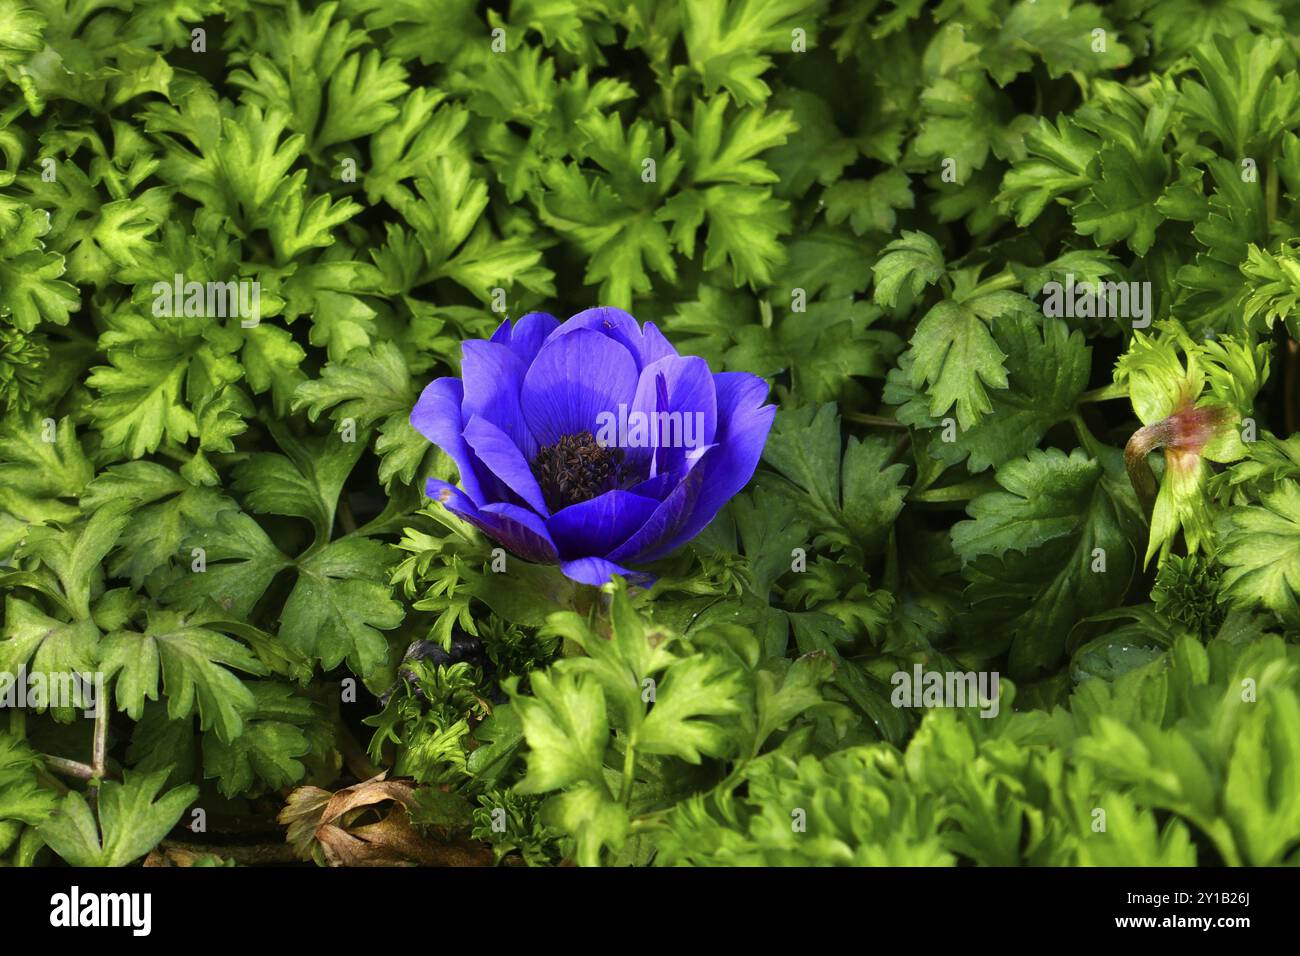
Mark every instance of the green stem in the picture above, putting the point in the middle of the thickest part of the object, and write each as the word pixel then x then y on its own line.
pixel 99 750
pixel 1105 393
pixel 629 773
pixel 999 283
pixel 650 821
pixel 1086 438
pixel 69 768
pixel 963 491
pixel 1270 193
pixel 346 519
pixel 18 722
pixel 879 421
pixel 1289 376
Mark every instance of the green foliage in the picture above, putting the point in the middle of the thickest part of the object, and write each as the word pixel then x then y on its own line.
pixel 1186 734
pixel 221 512
pixel 1050 548
pixel 133 817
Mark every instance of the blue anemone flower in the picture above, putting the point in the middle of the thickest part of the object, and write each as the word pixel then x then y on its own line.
pixel 591 444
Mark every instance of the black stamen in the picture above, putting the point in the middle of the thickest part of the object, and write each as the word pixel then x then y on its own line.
pixel 576 469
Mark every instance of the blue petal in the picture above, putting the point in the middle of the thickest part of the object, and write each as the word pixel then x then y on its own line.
pixel 493 376
pixel 659 486
pixel 519 530
pixel 668 522
pixel 575 378
pixel 743 424
pixel 526 336
pixel 683 388
pixel 503 458
pixel 654 346
pixel 437 416
pixel 646 347
pixel 599 525
pixel 598 571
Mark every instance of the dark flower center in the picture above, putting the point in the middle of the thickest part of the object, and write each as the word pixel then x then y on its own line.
pixel 575 469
